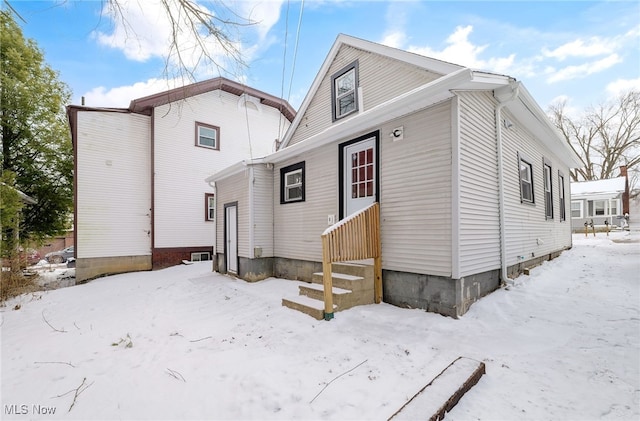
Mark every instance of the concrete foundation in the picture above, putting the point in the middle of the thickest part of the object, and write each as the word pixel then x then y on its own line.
pixel 90 268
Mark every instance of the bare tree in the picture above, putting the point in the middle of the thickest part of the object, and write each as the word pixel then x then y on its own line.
pixel 199 35
pixel 606 137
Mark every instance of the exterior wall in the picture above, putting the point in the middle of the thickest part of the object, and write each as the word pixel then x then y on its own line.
pixel 479 225
pixel 381 79
pixel 113 186
pixel 234 189
pixel 180 166
pixel 528 233
pixel 263 211
pixel 415 193
pixel 415 196
pixel 93 267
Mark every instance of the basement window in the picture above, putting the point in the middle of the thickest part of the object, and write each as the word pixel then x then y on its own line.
pixel 200 256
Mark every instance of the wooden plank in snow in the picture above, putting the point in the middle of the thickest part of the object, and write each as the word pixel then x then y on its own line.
pixel 438 397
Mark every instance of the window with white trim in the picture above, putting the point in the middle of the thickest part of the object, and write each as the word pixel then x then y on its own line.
pixel 562 208
pixel 576 209
pixel 207 136
pixel 344 91
pixel 548 190
pixel 200 256
pixel 526 181
pixel 292 183
pixel 209 207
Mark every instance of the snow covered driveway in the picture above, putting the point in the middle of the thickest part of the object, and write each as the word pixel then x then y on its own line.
pixel 185 343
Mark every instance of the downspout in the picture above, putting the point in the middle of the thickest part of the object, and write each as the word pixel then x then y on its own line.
pixel 515 89
pixel 252 180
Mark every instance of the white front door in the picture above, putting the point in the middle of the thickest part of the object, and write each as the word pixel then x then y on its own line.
pixel 231 237
pixel 359 175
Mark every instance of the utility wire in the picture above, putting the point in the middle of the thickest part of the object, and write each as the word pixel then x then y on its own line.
pixel 295 50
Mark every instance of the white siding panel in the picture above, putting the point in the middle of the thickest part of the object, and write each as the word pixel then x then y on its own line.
pixel 263 213
pixel 381 79
pixel 181 167
pixel 234 189
pixel 479 201
pixel 298 226
pixel 113 176
pixel 415 193
pixel 528 233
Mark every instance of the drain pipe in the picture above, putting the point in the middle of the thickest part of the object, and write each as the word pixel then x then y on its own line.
pixel 515 89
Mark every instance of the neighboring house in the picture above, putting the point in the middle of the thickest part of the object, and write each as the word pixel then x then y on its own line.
pixel 470 175
pixel 140 199
pixel 599 201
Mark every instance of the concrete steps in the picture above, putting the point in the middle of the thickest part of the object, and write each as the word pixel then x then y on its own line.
pixel 352 286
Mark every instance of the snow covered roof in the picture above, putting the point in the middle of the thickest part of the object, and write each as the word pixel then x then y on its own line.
pixel 607 187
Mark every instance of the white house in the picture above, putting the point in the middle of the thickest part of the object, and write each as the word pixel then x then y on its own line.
pixel 140 199
pixel 600 202
pixel 469 174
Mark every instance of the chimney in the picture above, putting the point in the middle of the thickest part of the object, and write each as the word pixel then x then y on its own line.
pixel 625 195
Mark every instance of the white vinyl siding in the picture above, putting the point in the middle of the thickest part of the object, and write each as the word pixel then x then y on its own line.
pixel 415 193
pixel 298 225
pixel 380 79
pixel 263 206
pixel 113 176
pixel 479 225
pixel 180 167
pixel 234 189
pixel 528 233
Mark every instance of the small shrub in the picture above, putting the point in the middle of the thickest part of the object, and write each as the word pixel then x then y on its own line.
pixel 13 284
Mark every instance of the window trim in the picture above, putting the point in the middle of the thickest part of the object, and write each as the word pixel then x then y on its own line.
pixel 199 124
pixel 522 159
pixel 547 183
pixel 581 203
pixel 562 206
pixel 200 253
pixel 334 98
pixel 208 209
pixel 284 171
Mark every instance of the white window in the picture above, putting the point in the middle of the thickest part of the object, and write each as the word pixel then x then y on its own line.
pixel 344 91
pixel 200 256
pixel 563 212
pixel 207 136
pixel 526 181
pixel 576 209
pixel 548 191
pixel 292 183
pixel 614 207
pixel 209 207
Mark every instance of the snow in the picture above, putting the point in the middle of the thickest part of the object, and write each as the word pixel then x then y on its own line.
pixel 610 186
pixel 185 343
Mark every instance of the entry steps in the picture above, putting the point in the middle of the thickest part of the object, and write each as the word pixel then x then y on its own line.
pixel 352 286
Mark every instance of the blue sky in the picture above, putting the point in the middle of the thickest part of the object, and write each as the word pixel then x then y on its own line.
pixel 583 52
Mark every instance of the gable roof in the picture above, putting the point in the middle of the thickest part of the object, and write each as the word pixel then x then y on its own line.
pixel 434 65
pixel 145 104
pixel 608 187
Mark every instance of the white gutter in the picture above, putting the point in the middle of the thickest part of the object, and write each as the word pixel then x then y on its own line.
pixel 515 89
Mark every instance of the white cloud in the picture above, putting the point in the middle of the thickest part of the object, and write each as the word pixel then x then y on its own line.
pixel 585 69
pixel 620 86
pixel 121 96
pixel 594 46
pixel 461 51
pixel 395 39
pixel 143 30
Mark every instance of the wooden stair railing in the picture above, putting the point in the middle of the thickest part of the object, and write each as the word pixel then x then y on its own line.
pixel 355 237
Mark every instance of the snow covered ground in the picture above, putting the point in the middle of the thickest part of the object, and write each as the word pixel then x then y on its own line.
pixel 185 343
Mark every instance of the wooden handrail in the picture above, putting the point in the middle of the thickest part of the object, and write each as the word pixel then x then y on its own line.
pixel 355 237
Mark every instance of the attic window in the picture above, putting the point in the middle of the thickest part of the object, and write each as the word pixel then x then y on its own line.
pixel 207 136
pixel 344 91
